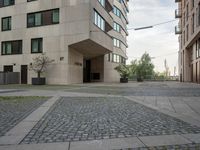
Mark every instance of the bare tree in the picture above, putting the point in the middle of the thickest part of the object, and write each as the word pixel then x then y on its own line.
pixel 40 64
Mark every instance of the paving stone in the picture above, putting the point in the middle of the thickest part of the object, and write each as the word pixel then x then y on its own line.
pixel 168 147
pixel 92 118
pixel 14 111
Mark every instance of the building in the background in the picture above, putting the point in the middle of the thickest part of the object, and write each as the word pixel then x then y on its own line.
pixel 189 38
pixel 86 38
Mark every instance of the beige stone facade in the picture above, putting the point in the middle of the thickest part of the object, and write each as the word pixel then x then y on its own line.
pixel 82 48
pixel 189 39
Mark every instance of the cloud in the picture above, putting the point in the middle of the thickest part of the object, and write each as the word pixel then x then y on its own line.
pixel 158 41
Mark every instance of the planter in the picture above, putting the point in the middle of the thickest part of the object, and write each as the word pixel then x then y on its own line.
pixel 123 80
pixel 140 79
pixel 38 81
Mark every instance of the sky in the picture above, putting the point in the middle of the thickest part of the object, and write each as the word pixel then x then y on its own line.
pixel 160 42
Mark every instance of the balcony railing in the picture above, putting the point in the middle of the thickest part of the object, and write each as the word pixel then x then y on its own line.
pixel 178 13
pixel 177 1
pixel 178 30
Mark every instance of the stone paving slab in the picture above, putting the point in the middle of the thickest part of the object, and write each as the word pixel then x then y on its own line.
pixel 164 140
pixel 12 111
pixel 195 138
pixel 194 120
pixel 17 133
pixel 143 89
pixel 96 118
pixel 49 146
pixel 168 147
pixel 107 144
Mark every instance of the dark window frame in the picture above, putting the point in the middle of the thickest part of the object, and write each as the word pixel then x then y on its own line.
pixel 11 3
pixel 9 17
pixel 40 42
pixel 12 48
pixel 42 16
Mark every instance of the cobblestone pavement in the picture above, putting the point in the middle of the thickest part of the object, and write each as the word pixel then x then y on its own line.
pixel 80 119
pixel 15 109
pixel 144 89
pixel 169 147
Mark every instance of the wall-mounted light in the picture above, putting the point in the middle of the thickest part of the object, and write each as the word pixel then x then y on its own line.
pixel 62 58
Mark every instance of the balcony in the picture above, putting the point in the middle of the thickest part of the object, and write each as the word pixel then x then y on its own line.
pixel 109 5
pixel 178 13
pixel 178 30
pixel 177 1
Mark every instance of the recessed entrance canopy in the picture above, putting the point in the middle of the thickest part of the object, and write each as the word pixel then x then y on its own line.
pixel 90 49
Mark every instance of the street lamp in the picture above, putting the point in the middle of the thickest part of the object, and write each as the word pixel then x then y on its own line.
pixel 142 28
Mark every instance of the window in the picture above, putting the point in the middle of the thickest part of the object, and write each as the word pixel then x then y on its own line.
pixel 187 32
pixel 193 24
pixel 192 3
pixel 43 18
pixel 116 58
pixel 187 12
pixel 102 2
pixel 11 47
pixel 6 24
pixel 198 47
pixel 116 42
pixel 117 27
pixel 116 11
pixel 37 45
pixel 198 15
pixel 55 16
pixel 4 3
pixel 99 21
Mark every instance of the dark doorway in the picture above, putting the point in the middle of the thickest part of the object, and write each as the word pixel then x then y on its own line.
pixel 8 68
pixel 24 69
pixel 87 71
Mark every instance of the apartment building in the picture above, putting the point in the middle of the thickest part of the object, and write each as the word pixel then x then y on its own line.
pixel 85 38
pixel 188 13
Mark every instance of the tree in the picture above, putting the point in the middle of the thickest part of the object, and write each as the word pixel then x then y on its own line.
pixel 132 69
pixel 40 64
pixel 145 66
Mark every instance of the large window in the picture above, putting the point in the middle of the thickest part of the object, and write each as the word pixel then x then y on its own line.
pixel 102 2
pixel 11 47
pixel 117 27
pixel 112 57
pixel 116 42
pixel 99 21
pixel 116 11
pixel 6 24
pixel 36 45
pixel 43 18
pixel 4 3
pixel 198 15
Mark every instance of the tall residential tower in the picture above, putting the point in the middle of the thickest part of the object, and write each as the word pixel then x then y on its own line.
pixel 189 39
pixel 86 38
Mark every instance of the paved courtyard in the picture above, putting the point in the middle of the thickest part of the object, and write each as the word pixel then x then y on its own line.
pixel 13 110
pixel 133 116
pixel 89 118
